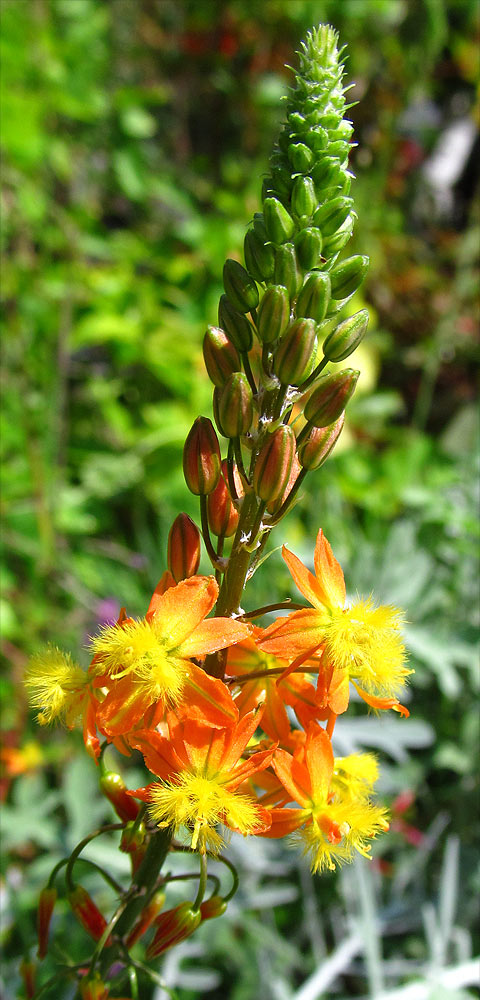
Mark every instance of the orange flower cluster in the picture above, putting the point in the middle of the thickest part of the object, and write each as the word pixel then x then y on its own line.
pixel 146 689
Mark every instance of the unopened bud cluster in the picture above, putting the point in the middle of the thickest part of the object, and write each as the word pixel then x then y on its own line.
pixel 281 321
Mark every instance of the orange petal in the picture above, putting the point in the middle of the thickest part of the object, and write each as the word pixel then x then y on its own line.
pixel 181 609
pixel 330 579
pixel 294 777
pixel 304 579
pixel 381 703
pixel 164 584
pixel 213 634
pixel 207 699
pixel 319 761
pixel 294 634
pixel 283 822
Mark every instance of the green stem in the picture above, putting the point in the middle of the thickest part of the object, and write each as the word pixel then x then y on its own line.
pixel 288 501
pixel 202 883
pixel 230 476
pixel 267 608
pixel 218 564
pixel 249 373
pixel 305 385
pixel 79 848
pixel 239 460
pixel 144 884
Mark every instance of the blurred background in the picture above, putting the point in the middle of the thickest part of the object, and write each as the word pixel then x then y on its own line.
pixel 135 134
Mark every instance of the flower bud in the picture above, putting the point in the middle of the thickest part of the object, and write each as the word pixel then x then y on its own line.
pixel 235 406
pixel 300 156
pixel 330 397
pixel 326 172
pixel 183 553
pixel 235 324
pixel 213 907
pixel 86 912
pixel 147 916
pixel 346 337
pixel 133 837
pixel 221 511
pixel 296 353
pixel 201 458
pixel 28 974
pixel 220 355
pixel 173 926
pixel 239 286
pixel 273 313
pixel 308 247
pixel 114 788
pixel 278 223
pixel 304 199
pixel 335 243
pixel 332 214
pixel 287 271
pixel 346 277
pixel 320 442
pixel 314 297
pixel 93 989
pixel 259 227
pixel 273 464
pixel 259 256
pixel 46 903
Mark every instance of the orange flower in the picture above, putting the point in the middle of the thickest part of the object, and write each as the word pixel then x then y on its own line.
pixel 361 642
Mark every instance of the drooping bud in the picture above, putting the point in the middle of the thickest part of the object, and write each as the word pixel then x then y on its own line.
pixel 300 156
pixel 114 788
pixel 278 222
pixel 346 337
pixel 220 355
pixel 46 904
pixel 86 912
pixel 239 286
pixel 321 440
pixel 235 406
pixel 314 297
pixel 28 973
pixel 221 511
pixel 287 271
pixel 296 353
pixel 93 989
pixel 147 916
pixel 201 458
pixel 235 324
pixel 213 907
pixel 273 313
pixel 173 926
pixel 330 397
pixel 259 256
pixel 133 837
pixel 346 277
pixel 308 246
pixel 332 214
pixel 304 199
pixel 273 464
pixel 184 548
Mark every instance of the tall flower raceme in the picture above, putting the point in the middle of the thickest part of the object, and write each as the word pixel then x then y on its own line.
pixel 235 722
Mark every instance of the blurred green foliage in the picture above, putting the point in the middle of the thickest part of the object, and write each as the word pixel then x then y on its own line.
pixel 134 137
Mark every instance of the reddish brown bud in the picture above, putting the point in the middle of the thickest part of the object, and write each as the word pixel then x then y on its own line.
pixel 296 353
pixel 147 916
pixel 220 355
pixel 239 286
pixel 221 511
pixel 320 442
pixel 213 907
pixel 173 926
pixel 330 397
pixel 201 458
pixel 46 903
pixel 183 554
pixel 235 406
pixel 27 972
pixel 114 788
pixel 86 912
pixel 274 463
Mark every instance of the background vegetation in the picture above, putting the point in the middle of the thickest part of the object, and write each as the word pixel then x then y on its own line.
pixel 135 134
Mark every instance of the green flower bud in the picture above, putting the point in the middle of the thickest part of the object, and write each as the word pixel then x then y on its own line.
pixel 287 271
pixel 220 356
pixel 326 172
pixel 235 324
pixel 274 463
pixel 314 297
pixel 304 199
pixel 235 406
pixel 273 313
pixel 330 397
pixel 346 337
pixel 215 406
pixel 346 277
pixel 239 286
pixel 184 550
pixel 213 907
pixel 332 214
pixel 259 256
pixel 259 227
pixel 335 243
pixel 133 836
pixel 278 223
pixel 300 156
pixel 201 458
pixel 296 353
pixel 317 139
pixel 173 926
pixel 308 247
pixel 319 443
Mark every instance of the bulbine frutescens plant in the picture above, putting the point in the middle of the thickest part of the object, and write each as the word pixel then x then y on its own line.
pixel 204 699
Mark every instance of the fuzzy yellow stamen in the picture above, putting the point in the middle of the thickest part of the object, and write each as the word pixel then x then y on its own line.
pixel 56 686
pixel 357 822
pixel 139 648
pixel 355 775
pixel 366 642
pixel 200 803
